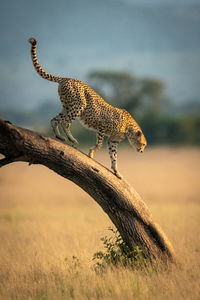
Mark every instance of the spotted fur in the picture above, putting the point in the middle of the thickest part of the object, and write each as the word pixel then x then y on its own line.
pixel 80 101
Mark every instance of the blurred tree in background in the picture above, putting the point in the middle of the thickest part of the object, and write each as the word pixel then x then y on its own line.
pixel 122 89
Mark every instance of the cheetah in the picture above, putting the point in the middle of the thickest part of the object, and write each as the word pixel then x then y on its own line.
pixel 79 101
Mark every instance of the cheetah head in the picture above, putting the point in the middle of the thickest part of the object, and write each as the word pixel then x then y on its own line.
pixel 137 139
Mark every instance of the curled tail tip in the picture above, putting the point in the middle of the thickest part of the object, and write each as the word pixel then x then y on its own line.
pixel 32 41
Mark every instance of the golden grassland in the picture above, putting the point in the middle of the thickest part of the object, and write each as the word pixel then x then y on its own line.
pixel 45 220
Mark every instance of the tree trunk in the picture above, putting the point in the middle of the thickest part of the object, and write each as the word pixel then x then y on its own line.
pixel 117 198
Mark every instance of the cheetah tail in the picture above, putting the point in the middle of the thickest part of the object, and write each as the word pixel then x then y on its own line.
pixel 37 66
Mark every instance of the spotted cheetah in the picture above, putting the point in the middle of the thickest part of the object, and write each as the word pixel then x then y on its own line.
pixel 80 101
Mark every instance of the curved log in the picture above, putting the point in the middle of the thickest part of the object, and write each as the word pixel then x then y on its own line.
pixel 117 198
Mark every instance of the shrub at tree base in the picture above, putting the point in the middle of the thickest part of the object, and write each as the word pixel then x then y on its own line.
pixel 117 253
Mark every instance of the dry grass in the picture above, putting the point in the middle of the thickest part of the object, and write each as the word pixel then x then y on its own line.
pixel 45 220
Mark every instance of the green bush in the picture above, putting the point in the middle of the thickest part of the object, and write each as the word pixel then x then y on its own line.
pixel 117 253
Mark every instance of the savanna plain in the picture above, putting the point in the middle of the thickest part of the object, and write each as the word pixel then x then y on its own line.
pixel 50 229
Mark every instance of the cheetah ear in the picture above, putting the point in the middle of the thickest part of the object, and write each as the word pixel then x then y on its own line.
pixel 138 133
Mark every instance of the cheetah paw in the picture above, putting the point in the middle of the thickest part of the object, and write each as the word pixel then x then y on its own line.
pixel 74 142
pixel 91 154
pixel 60 138
pixel 117 174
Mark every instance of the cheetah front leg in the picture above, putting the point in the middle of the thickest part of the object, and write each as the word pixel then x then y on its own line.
pixel 99 143
pixel 112 146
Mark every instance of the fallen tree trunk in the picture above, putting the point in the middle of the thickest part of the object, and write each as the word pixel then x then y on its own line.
pixel 116 197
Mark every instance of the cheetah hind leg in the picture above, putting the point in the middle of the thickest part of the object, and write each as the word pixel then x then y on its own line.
pixel 99 143
pixel 54 123
pixel 65 125
pixel 112 146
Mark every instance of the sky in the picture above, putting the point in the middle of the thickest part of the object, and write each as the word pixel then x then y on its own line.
pixel 154 38
pixel 161 2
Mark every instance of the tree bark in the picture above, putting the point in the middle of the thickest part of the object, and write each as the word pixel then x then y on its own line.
pixel 117 198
